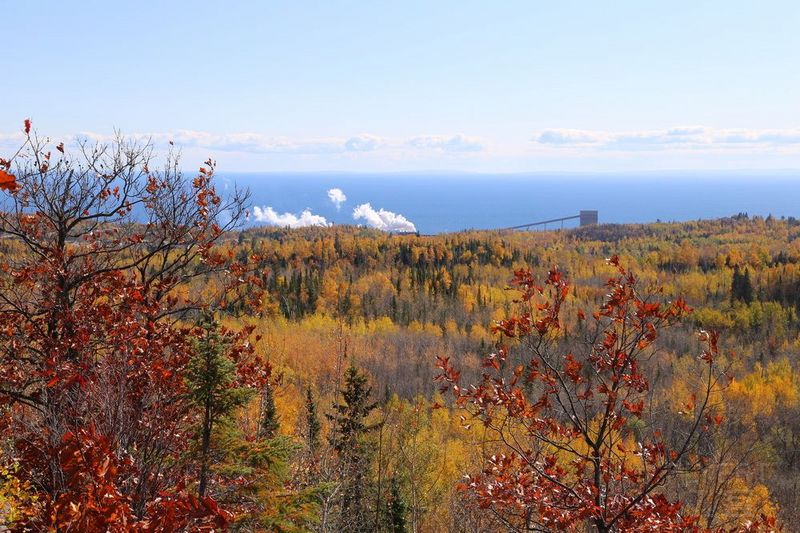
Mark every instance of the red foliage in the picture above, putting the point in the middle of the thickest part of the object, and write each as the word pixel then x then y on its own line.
pixel 92 352
pixel 566 422
pixel 8 182
pixel 92 500
pixel 184 511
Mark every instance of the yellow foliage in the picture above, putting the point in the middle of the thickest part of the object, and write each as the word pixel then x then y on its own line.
pixel 15 496
pixel 744 500
pixel 761 391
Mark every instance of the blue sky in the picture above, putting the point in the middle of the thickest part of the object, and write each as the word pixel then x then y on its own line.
pixel 429 85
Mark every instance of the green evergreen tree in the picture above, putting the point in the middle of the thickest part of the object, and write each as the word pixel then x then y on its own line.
pixel 350 426
pixel 270 501
pixel 313 426
pixel 736 283
pixel 741 286
pixel 211 380
pixel 269 421
pixel 396 508
pixel 747 287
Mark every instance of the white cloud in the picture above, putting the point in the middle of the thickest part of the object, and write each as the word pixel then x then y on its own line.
pixel 456 143
pixel 678 147
pixel 382 219
pixel 568 136
pixel 256 143
pixel 306 218
pixel 10 143
pixel 678 138
pixel 363 143
pixel 337 196
pixel 15 137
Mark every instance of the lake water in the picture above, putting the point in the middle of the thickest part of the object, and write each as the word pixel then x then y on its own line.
pixel 438 203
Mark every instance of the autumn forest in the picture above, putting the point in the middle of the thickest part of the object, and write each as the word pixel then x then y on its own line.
pixel 165 365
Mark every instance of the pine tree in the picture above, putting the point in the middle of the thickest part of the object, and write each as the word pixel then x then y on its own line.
pixel 350 426
pixel 396 508
pixel 211 378
pixel 736 283
pixel 747 287
pixel 270 501
pixel 270 421
pixel 313 425
pixel 741 286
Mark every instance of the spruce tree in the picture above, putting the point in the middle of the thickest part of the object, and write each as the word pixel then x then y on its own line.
pixel 397 508
pixel 736 284
pixel 741 286
pixel 313 425
pixel 350 426
pixel 211 380
pixel 270 421
pixel 747 287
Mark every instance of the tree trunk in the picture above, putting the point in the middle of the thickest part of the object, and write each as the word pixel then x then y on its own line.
pixel 205 445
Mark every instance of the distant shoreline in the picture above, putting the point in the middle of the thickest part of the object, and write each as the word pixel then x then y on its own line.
pixel 442 204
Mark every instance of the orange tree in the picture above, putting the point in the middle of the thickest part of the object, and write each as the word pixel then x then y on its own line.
pixel 578 443
pixel 95 332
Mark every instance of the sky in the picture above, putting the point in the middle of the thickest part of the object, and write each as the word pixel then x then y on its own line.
pixel 374 86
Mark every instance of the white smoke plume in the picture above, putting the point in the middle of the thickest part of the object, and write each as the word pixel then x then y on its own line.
pixel 306 218
pixel 382 219
pixel 337 196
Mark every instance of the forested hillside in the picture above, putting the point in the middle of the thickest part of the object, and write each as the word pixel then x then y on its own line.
pixel 165 370
pixel 392 304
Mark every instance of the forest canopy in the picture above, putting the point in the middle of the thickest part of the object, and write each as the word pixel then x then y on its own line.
pixel 166 367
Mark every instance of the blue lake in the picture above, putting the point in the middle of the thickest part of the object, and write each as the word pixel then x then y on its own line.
pixel 450 202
